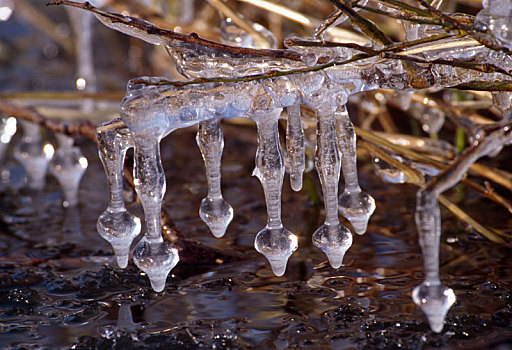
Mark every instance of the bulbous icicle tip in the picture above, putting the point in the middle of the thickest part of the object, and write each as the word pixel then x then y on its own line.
pixel 277 245
pixel 119 228
pixel 357 207
pixel 434 300
pixel 156 259
pixel 334 240
pixel 217 214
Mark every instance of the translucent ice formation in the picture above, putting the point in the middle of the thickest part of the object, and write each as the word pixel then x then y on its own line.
pixel 355 205
pixel 496 17
pixel 116 225
pixel 214 210
pixel 154 107
pixel 432 296
pixel 332 237
pixel 33 154
pixel 68 166
pixel 275 242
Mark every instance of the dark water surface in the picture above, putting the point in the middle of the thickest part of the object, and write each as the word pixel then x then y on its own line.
pixel 59 287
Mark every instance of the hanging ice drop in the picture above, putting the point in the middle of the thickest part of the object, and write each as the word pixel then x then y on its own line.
pixel 275 242
pixel 68 166
pixel 332 237
pixel 214 210
pixel 152 255
pixel 431 296
pixel 116 225
pixel 33 154
pixel 355 205
pixel 295 147
pixel 156 258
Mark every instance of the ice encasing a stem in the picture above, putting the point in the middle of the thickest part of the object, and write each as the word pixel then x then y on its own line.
pixel 214 210
pixel 355 205
pixel 332 237
pixel 116 224
pixel 275 242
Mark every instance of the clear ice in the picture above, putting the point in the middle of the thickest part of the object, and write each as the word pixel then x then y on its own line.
pixel 274 241
pixel 34 154
pixel 357 206
pixel 214 210
pixel 332 237
pixel 151 110
pixel 116 225
pixel 68 166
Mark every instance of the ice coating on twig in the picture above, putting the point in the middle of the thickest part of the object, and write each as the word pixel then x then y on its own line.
pixel 432 296
pixel 68 166
pixel 214 210
pixel 496 17
pixel 295 147
pixel 33 154
pixel 275 242
pixel 116 224
pixel 357 206
pixel 332 237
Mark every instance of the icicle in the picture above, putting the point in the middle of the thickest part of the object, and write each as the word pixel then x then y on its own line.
pixel 152 255
pixel 33 154
pixel 332 237
pixel 431 296
pixel 68 166
pixel 431 119
pixel 275 242
pixel 214 210
pixel 295 147
pixel 116 225
pixel 355 205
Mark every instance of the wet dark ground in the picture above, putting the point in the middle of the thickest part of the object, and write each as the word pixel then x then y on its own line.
pixel 59 287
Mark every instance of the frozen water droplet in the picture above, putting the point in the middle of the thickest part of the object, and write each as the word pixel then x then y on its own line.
pixel 357 207
pixel 277 245
pixel 217 214
pixel 334 239
pixel 119 228
pixel 434 300
pixel 156 259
